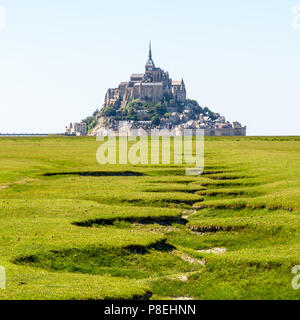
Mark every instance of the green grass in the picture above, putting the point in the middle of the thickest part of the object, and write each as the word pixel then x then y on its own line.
pixel 72 229
pixel 132 262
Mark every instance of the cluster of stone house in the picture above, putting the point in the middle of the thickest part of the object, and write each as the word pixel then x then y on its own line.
pixel 77 129
pixel 177 124
pixel 218 127
pixel 189 119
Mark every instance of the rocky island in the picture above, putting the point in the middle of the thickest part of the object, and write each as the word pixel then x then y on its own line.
pixel 152 100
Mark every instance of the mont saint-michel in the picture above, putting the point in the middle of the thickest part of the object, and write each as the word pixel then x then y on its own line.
pixel 152 100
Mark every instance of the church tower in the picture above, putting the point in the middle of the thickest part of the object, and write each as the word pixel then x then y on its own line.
pixel 150 66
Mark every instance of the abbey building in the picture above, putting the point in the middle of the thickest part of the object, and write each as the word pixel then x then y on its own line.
pixel 151 86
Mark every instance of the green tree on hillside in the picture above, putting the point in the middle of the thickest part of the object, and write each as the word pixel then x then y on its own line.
pixel 109 112
pixel 155 120
pixel 160 109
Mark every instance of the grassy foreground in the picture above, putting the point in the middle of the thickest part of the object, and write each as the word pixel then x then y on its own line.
pixel 72 229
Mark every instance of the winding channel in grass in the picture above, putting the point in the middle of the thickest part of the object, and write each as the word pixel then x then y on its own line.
pixel 161 259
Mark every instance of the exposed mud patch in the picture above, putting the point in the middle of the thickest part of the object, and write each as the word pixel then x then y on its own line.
pixel 162 202
pixel 183 278
pixel 240 206
pixel 192 260
pixel 161 246
pixel 215 193
pixel 228 184
pixel 173 181
pixel 97 174
pixel 214 251
pixel 164 221
pixel 192 191
pixel 214 229
pixel 228 177
pixel 189 212
pixel 209 172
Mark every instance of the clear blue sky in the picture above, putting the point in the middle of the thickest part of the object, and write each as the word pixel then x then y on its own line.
pixel 58 57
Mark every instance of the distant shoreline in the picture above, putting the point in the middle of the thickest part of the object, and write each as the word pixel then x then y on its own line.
pixel 30 134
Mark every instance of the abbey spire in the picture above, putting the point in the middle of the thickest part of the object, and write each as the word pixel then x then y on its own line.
pixel 150 64
pixel 150 51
